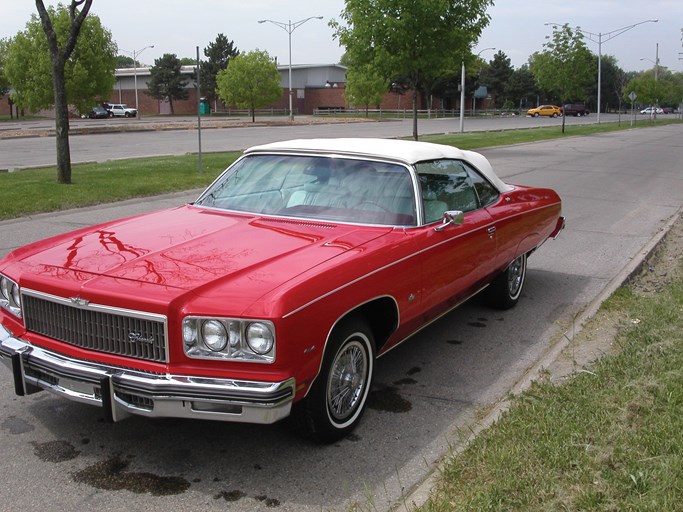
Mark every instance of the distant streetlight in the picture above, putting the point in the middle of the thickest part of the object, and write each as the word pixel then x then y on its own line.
pixel 290 27
pixel 135 54
pixel 656 63
pixel 600 38
pixel 462 91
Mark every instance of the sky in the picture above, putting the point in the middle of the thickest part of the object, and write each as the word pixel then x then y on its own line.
pixel 517 27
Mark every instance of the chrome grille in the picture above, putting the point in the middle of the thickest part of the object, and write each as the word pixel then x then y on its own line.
pixel 95 327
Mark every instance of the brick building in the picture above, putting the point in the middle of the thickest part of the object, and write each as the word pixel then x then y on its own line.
pixel 314 87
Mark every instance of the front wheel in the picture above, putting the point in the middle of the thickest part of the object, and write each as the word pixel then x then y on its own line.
pixel 536 114
pixel 505 290
pixel 336 400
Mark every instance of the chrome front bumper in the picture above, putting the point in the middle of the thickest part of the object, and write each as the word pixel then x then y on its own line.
pixel 122 392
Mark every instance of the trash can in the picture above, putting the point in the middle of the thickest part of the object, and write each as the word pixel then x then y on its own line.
pixel 204 107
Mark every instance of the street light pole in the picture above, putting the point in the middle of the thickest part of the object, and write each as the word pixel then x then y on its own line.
pixel 462 91
pixel 462 97
pixel 598 38
pixel 290 27
pixel 135 54
pixel 653 114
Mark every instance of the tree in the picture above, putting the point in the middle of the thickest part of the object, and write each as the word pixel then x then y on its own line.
pixel 4 82
pixel 78 67
pixel 565 67
pixel 416 40
pixel 656 88
pixel 496 77
pixel 365 87
pixel 166 80
pixel 218 55
pixel 250 81
pixel 124 61
pixel 521 87
pixel 88 73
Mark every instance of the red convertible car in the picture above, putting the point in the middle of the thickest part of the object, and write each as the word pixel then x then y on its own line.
pixel 271 295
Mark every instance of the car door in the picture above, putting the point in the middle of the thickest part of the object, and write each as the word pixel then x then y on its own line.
pixel 456 259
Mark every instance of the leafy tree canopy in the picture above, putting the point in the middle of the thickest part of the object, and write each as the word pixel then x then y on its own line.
pixel 564 68
pixel 166 80
pixel 666 89
pixel 88 72
pixel 521 89
pixel 496 76
pixel 4 82
pixel 124 61
pixel 218 55
pixel 365 86
pixel 419 40
pixel 250 81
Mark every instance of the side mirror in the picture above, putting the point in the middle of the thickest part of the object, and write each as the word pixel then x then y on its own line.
pixel 454 217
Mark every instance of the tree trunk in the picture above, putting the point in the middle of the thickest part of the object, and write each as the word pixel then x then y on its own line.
pixel 564 118
pixel 59 58
pixel 61 124
pixel 414 113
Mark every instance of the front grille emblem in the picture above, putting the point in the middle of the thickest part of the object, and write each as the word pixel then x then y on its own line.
pixel 79 301
pixel 138 337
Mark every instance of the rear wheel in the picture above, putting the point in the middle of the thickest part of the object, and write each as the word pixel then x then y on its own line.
pixel 505 290
pixel 337 398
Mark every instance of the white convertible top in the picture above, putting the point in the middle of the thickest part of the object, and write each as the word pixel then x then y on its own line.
pixel 405 151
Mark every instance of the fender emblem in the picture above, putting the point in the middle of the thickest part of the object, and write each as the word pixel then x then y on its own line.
pixel 79 302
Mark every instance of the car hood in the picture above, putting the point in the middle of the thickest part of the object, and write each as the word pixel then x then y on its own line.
pixel 189 248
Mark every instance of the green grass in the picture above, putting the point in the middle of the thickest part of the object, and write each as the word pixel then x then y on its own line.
pixel 36 190
pixel 475 140
pixel 610 439
pixel 125 179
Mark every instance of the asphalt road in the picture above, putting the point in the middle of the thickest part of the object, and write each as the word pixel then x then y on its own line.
pixel 34 151
pixel 618 191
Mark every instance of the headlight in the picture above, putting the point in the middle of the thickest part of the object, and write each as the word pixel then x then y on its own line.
pixel 214 335
pixel 229 339
pixel 259 338
pixel 10 298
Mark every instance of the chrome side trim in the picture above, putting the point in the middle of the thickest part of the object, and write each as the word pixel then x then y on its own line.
pixel 122 392
pixel 407 257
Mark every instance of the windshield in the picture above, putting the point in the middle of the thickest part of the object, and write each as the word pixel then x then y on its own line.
pixel 314 187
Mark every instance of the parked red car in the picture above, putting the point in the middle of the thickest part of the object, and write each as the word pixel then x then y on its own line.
pixel 274 292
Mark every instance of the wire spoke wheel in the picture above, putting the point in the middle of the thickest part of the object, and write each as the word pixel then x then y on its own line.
pixel 347 380
pixel 515 276
pixel 505 290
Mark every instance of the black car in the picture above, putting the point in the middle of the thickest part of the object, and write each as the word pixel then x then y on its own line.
pixel 98 112
pixel 575 109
